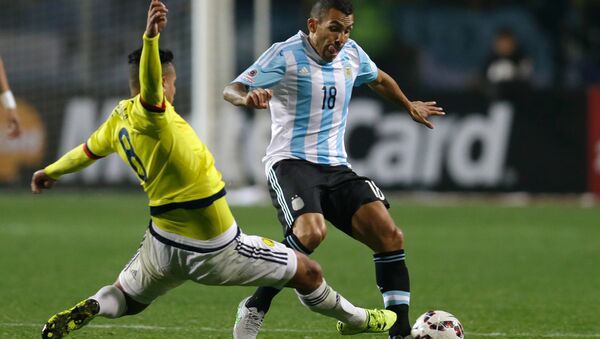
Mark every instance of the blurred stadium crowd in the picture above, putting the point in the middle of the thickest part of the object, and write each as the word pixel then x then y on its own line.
pixel 427 43
pixel 467 53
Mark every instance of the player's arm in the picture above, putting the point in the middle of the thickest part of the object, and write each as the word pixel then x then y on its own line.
pixel 239 95
pixel 7 101
pixel 151 82
pixel 75 160
pixel 419 111
pixel 97 147
pixel 251 88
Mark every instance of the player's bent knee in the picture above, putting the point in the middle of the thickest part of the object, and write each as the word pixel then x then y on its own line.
pixel 308 277
pixel 397 236
pixel 314 274
pixel 311 230
pixel 392 239
pixel 396 239
pixel 313 240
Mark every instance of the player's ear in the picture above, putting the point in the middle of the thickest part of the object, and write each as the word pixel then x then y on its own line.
pixel 312 24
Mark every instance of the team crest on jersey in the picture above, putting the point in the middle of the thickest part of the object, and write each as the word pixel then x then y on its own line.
pixel 249 76
pixel 268 242
pixel 297 203
pixel 303 71
pixel 348 72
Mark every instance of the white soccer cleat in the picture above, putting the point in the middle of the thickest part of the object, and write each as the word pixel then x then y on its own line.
pixel 247 322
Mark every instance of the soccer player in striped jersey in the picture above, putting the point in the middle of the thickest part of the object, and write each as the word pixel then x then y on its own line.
pixel 192 234
pixel 307 83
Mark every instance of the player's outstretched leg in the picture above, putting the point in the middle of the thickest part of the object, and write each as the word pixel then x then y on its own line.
pixel 63 323
pixel 253 309
pixel 352 319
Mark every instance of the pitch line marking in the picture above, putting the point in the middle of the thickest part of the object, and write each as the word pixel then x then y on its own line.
pixel 279 330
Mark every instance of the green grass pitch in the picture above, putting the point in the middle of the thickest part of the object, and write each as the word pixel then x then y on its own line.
pixel 530 272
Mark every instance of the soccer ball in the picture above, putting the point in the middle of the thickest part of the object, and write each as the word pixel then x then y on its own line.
pixel 437 325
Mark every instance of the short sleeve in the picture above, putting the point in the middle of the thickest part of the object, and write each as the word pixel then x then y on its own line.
pixel 367 69
pixel 100 143
pixel 267 71
pixel 143 118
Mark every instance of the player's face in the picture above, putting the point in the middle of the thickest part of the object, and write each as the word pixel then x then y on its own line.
pixel 169 78
pixel 330 33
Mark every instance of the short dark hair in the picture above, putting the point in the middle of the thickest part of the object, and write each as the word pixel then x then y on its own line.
pixel 166 56
pixel 321 7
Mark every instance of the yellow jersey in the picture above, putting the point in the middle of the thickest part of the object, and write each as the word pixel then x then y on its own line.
pixel 177 171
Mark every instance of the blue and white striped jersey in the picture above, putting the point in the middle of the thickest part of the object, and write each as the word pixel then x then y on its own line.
pixel 309 108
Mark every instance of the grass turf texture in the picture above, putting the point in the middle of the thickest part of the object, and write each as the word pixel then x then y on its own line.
pixel 504 272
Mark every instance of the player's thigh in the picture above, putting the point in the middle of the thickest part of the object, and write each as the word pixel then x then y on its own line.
pixel 247 261
pixel 149 274
pixel 343 203
pixel 295 190
pixel 373 226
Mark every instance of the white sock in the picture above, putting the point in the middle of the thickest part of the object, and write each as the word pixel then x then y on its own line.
pixel 112 302
pixel 327 301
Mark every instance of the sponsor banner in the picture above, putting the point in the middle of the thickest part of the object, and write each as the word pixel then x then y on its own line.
pixel 466 151
pixel 535 142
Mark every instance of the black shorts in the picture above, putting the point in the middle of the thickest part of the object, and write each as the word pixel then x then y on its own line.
pixel 298 187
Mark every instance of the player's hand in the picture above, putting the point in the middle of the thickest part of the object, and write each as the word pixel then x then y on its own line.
pixel 14 127
pixel 40 181
pixel 258 98
pixel 420 112
pixel 157 18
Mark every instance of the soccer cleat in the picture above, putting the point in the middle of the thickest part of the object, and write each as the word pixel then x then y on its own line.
pixel 378 321
pixel 247 322
pixel 61 324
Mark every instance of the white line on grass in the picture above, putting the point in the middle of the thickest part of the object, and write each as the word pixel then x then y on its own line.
pixel 281 330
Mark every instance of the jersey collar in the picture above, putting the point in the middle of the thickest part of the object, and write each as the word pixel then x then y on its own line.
pixel 310 51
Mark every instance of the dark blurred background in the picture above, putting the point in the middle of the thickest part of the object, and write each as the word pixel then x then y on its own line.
pixel 518 80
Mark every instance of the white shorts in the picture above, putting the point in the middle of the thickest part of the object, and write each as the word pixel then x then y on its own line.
pixel 246 261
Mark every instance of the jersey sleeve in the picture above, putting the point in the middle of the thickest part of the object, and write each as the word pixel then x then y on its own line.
pixel 73 161
pixel 151 85
pixel 100 143
pixel 97 147
pixel 266 72
pixel 367 69
pixel 150 105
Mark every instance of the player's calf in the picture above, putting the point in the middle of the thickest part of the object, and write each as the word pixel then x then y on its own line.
pixel 308 277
